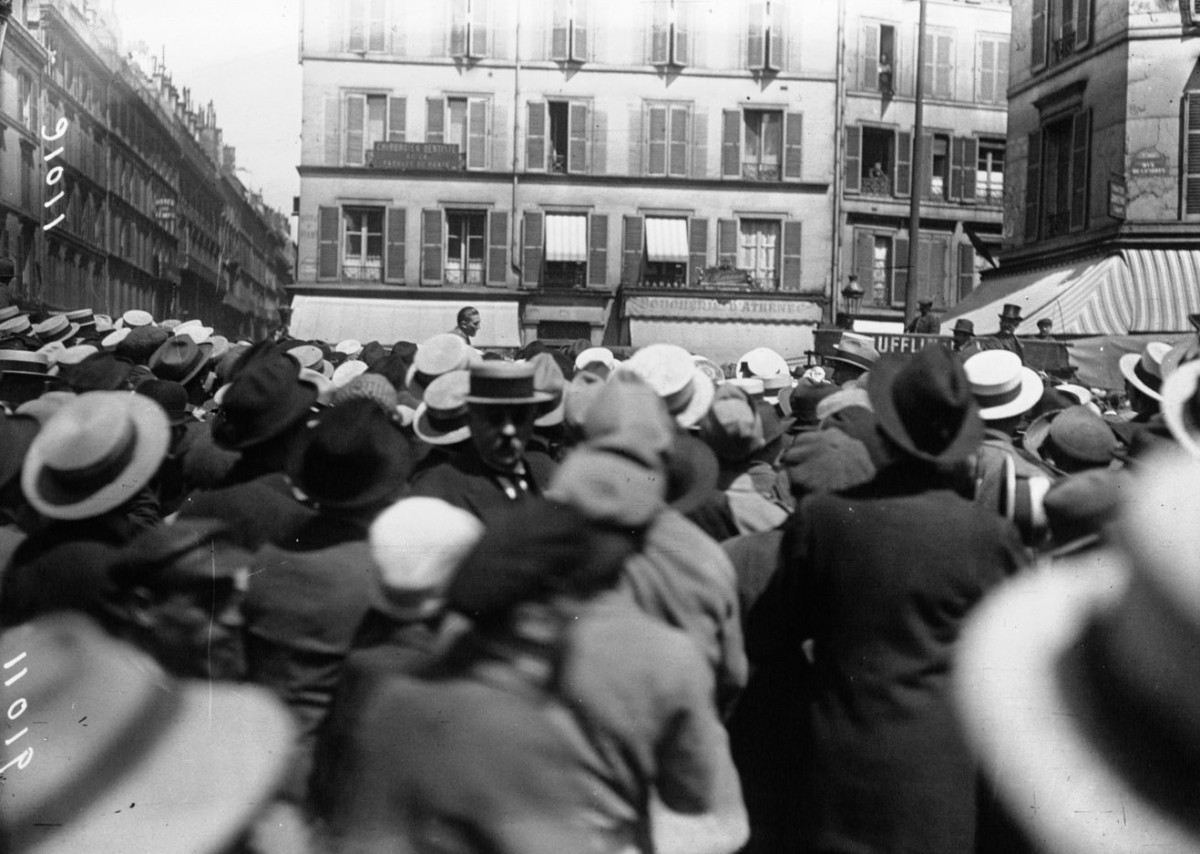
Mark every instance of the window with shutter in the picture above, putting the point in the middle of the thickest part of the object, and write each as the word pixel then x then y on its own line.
pixel 989 172
pixel 577 148
pixel 900 270
pixel 535 137
pixel 669 33
pixel 1191 159
pixel 579 31
pixel 477 134
pixel 792 251
pixel 793 135
pixel 560 31
pixel 938 58
pixel 1033 185
pixel 532 240
pixel 1037 35
pixel 762 145
pixel 362 244
pixel 656 141
pixel 497 257
pixel 435 120
pixel 677 162
pixel 868 56
pixel 1080 172
pixel 853 175
pixel 397 119
pixel 397 223
pixel 731 137
pixel 431 246
pixel 756 47
pixel 631 260
pixel 966 270
pixel 598 250
pixel 328 235
pixel 697 248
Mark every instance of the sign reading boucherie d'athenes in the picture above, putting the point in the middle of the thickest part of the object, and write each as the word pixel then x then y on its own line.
pixel 417 156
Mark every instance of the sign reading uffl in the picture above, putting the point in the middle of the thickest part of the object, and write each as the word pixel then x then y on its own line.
pixel 56 172
pixel 15 710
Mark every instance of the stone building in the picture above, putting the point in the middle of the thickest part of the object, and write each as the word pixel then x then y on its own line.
pixel 1103 186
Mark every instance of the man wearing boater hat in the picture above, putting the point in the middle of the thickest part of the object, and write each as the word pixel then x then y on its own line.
pixel 493 468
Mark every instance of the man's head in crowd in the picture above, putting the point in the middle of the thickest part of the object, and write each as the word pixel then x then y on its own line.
pixel 468 321
pixel 502 406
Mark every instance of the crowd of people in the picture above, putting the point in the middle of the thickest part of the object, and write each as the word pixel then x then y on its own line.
pixel 308 596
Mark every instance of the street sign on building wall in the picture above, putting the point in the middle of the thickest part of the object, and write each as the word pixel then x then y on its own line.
pixel 1118 196
pixel 417 156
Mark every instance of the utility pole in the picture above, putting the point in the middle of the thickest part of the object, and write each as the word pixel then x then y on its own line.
pixel 918 179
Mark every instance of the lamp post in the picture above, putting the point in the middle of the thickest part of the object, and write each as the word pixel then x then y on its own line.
pixel 852 294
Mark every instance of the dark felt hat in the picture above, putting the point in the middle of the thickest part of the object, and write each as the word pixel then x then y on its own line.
pixel 8 268
pixel 532 549
pixel 98 372
pixel 187 551
pixel 1010 312
pixel 170 395
pixel 355 456
pixel 180 359
pixel 141 343
pixel 16 435
pixel 804 399
pixel 964 325
pixel 265 400
pixel 1072 438
pixel 924 404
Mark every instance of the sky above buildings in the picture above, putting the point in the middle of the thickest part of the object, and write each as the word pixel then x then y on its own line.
pixel 243 56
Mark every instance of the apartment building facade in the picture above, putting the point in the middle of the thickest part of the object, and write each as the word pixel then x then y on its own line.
pixel 1104 168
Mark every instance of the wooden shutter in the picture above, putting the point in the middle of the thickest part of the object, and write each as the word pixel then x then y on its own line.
pixel 631 258
pixel 435 120
pixel 577 144
pixel 936 287
pixel 677 162
pixel 377 26
pixel 792 249
pixel 870 57
pixel 397 222
pixel 793 135
pixel 945 67
pixel 985 84
pixel 560 32
pixel 956 168
pixel 431 246
pixel 927 154
pixel 853 158
pixel 333 139
pixel 329 230
pixel 358 36
pixel 599 164
pixel 497 253
pixel 656 143
pixel 727 242
pixel 397 119
pixel 1033 185
pixel 902 185
pixel 966 270
pixel 699 143
pixel 479 29
pixel 598 250
pixel 1081 133
pixel 637 141
pixel 579 32
pixel 928 63
pixel 863 262
pixel 970 165
pixel 458 28
pixel 356 119
pixel 681 41
pixel 660 34
pixel 900 269
pixel 531 248
pixel 1037 35
pixel 697 247
pixel 1083 23
pixel 477 133
pixel 775 41
pixel 731 137
pixel 1191 190
pixel 1002 48
pixel 754 35
pixel 535 137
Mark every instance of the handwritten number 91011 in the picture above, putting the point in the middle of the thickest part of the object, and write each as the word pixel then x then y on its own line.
pixel 55 174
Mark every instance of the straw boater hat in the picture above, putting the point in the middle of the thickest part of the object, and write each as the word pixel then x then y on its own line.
pixel 17 325
pixel 10 311
pixel 1144 370
pixel 110 341
pixel 347 371
pixel 596 355
pixel 137 317
pixel 55 328
pixel 441 417
pixel 85 317
pixel 350 348
pixel 1181 406
pixel 127 758
pixel 439 355
pixel 768 366
pixel 24 361
pixel 674 376
pixel 854 349
pixel 94 454
pixel 195 330
pixel 1077 685
pixel 1002 385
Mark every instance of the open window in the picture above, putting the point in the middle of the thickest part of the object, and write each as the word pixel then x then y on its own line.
pixel 989 176
pixel 878 54
pixel 569 33
pixel 466 247
pixel 765 36
pixel 469 36
pixel 758 251
pixel 370 119
pixel 362 245
pixel 666 252
pixel 556 139
pixel 669 34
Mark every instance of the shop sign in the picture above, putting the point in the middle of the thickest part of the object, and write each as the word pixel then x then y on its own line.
pixel 1118 196
pixel 713 308
pixel 417 156
pixel 1148 163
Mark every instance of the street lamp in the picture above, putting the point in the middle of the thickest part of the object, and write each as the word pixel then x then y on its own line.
pixel 852 294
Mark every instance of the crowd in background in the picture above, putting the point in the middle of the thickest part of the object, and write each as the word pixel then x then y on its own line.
pixel 289 596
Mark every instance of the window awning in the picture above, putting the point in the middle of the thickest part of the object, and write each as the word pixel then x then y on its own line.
pixel 566 238
pixel 1135 290
pixel 666 240
pixel 333 319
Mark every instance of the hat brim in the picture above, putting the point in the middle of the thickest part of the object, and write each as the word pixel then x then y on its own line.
pixel 1128 364
pixel 431 435
pixel 534 399
pixel 153 436
pixel 879 393
pixel 1034 743
pixel 857 362
pixel 213 768
pixel 1038 431
pixel 554 416
pixel 703 392
pixel 1177 392
pixel 1026 399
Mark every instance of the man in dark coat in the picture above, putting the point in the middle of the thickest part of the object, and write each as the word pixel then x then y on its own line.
pixel 875 582
pixel 493 470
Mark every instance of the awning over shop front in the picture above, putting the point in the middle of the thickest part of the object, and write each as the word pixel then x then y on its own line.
pixel 566 238
pixel 666 240
pixel 1133 291
pixel 333 319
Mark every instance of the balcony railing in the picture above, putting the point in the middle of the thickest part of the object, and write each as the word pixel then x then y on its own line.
pixel 1063 47
pixel 760 171
pixel 876 185
pixel 369 271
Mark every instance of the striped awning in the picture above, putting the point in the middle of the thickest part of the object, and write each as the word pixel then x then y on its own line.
pixel 666 240
pixel 566 238
pixel 1132 291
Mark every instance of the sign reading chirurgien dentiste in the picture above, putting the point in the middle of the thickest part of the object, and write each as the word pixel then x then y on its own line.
pixel 417 156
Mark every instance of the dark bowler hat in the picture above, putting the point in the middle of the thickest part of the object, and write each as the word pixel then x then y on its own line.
pixel 805 397
pixel 964 325
pixel 97 372
pixel 265 399
pixel 925 303
pixel 141 343
pixel 925 406
pixel 170 395
pixel 8 268
pixel 502 383
pixel 1011 312
pixel 356 456
pixel 180 359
